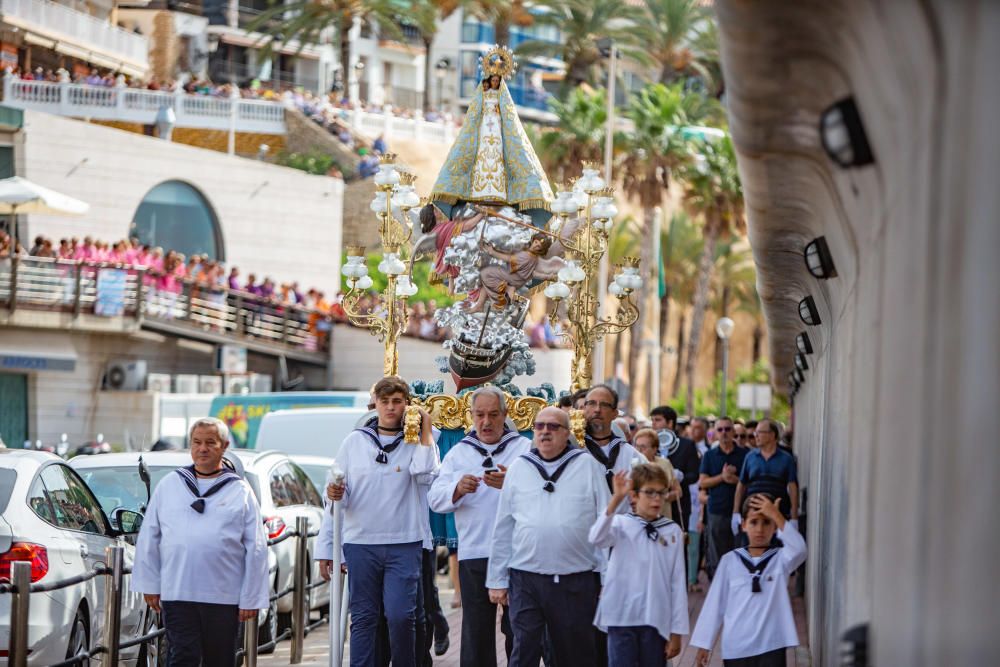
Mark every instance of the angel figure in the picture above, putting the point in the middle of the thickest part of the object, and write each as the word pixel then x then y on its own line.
pixel 500 284
pixel 437 228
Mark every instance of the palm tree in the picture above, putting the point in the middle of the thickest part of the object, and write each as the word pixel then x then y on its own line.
pixel 426 17
pixel 307 20
pixel 712 193
pixel 671 31
pixel 681 249
pixel 578 134
pixel 581 23
pixel 655 149
pixel 733 283
pixel 501 14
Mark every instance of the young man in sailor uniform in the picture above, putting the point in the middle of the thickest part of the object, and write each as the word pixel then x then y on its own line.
pixel 468 484
pixel 384 524
pixel 643 605
pixel 600 408
pixel 749 594
pixel 541 561
pixel 201 555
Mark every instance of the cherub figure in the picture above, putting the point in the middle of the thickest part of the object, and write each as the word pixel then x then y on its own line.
pixel 500 284
pixel 435 226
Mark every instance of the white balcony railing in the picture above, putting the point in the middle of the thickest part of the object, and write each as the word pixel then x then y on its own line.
pixel 133 105
pixel 390 126
pixel 61 23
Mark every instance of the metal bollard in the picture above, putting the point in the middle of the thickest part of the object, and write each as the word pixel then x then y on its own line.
pixel 18 647
pixel 113 605
pixel 299 593
pixel 250 642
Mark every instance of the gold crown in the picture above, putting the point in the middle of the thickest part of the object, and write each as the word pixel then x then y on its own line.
pixel 498 61
pixel 355 251
pixel 632 262
pixel 605 192
pixel 387 158
pixel 407 177
pixel 591 164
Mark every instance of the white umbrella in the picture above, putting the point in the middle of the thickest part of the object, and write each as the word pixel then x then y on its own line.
pixel 19 195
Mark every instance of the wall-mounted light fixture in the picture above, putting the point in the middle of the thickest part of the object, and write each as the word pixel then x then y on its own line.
pixel 819 261
pixel 843 135
pixel 799 376
pixel 801 363
pixel 793 382
pixel 803 344
pixel 808 312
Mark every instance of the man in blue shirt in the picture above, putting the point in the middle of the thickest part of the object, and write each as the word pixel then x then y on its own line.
pixel 719 475
pixel 769 469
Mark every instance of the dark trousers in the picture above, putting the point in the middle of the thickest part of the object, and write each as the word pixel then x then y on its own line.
pixel 479 617
pixel 566 607
pixel 775 658
pixel 384 580
pixel 200 633
pixel 720 540
pixel 639 646
pixel 431 621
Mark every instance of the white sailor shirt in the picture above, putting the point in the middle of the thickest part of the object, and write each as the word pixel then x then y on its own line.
pixel 645 583
pixel 382 502
pixel 218 556
pixel 545 532
pixel 616 456
pixel 475 513
pixel 752 623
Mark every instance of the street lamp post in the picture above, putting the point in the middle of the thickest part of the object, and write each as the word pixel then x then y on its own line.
pixel 724 329
pixel 440 72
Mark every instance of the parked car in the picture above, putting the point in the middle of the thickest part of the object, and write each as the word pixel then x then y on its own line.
pixel 51 518
pixel 316 467
pixel 283 491
pixel 312 431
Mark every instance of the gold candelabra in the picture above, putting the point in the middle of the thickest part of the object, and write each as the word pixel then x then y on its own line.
pixel 387 319
pixel 592 201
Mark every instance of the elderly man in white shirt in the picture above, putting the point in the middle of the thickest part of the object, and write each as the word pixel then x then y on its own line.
pixel 385 523
pixel 468 484
pixel 541 561
pixel 201 555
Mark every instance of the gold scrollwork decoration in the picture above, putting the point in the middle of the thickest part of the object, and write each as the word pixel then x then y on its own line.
pixel 452 412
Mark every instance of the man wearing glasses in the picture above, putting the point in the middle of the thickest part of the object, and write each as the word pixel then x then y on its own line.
pixel 600 409
pixel 541 562
pixel 740 436
pixel 720 470
pixel 768 469
pixel 468 484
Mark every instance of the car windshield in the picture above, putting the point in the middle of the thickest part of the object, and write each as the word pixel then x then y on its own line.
pixel 317 475
pixel 7 479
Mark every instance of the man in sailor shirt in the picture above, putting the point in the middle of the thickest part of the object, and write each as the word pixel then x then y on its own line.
pixel 469 484
pixel 615 454
pixel 384 524
pixel 201 555
pixel 541 561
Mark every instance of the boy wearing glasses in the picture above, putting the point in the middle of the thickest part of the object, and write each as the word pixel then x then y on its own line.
pixel 643 605
pixel 719 476
pixel 541 561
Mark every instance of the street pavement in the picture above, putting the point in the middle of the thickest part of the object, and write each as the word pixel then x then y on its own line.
pixel 316 646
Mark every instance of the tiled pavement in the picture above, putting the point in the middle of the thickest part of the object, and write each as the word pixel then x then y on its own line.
pixel 316 645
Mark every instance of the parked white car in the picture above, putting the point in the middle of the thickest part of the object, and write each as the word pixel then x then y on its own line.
pixel 283 491
pixel 49 517
pixel 316 467
pixel 308 431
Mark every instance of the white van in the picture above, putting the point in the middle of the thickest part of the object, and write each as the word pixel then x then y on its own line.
pixel 311 431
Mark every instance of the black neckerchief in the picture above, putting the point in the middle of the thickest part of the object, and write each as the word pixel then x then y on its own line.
pixel 651 526
pixel 191 481
pixel 607 461
pixel 758 569
pixel 535 459
pixel 370 429
pixel 472 439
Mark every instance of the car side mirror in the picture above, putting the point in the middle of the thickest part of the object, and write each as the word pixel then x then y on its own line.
pixel 127 521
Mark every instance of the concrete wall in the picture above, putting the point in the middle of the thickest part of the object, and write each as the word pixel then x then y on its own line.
pixel 895 447
pixel 275 221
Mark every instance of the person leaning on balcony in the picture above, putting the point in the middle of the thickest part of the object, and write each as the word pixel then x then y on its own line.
pixel 201 555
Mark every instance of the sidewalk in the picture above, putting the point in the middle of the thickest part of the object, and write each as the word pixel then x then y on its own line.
pixel 316 645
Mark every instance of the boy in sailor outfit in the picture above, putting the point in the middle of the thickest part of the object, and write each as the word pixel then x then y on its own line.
pixel 643 606
pixel 468 484
pixel 385 523
pixel 201 555
pixel 540 559
pixel 749 594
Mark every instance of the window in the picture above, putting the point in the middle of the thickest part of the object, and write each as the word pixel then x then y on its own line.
pixel 296 492
pixel 176 216
pixel 72 504
pixel 279 494
pixel 311 496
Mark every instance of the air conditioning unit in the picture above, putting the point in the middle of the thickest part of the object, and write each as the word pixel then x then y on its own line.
pixel 158 382
pixel 186 384
pixel 260 383
pixel 209 384
pixel 125 375
pixel 237 384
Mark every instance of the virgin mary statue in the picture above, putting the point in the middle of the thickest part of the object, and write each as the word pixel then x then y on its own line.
pixel 492 161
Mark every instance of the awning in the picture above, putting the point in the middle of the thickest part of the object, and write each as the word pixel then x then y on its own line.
pixel 69 45
pixel 256 40
pixel 37 351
